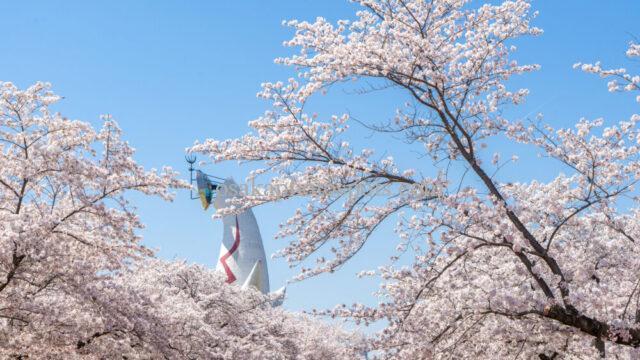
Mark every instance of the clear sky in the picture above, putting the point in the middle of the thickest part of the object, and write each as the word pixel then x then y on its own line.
pixel 172 72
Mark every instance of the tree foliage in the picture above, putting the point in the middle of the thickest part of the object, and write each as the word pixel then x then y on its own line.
pixel 75 281
pixel 500 268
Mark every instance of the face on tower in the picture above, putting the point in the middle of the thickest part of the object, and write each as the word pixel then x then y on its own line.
pixel 206 189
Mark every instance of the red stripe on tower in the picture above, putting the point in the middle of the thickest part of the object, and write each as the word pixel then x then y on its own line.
pixel 230 276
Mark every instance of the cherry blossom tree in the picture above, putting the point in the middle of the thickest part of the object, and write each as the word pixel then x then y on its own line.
pixel 500 268
pixel 64 220
pixel 75 281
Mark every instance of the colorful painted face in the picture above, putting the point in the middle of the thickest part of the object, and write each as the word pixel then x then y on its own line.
pixel 205 189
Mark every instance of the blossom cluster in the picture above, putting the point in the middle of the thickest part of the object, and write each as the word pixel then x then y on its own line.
pixel 497 268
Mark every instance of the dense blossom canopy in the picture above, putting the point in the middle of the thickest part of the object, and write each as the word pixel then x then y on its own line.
pixel 173 310
pixel 75 282
pixel 517 269
pixel 64 222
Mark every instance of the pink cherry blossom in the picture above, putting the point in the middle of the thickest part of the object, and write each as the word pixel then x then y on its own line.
pixel 75 281
pixel 500 269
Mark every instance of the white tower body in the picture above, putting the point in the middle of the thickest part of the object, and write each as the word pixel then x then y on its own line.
pixel 242 257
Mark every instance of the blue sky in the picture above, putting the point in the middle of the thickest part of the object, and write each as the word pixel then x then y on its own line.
pixel 172 72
